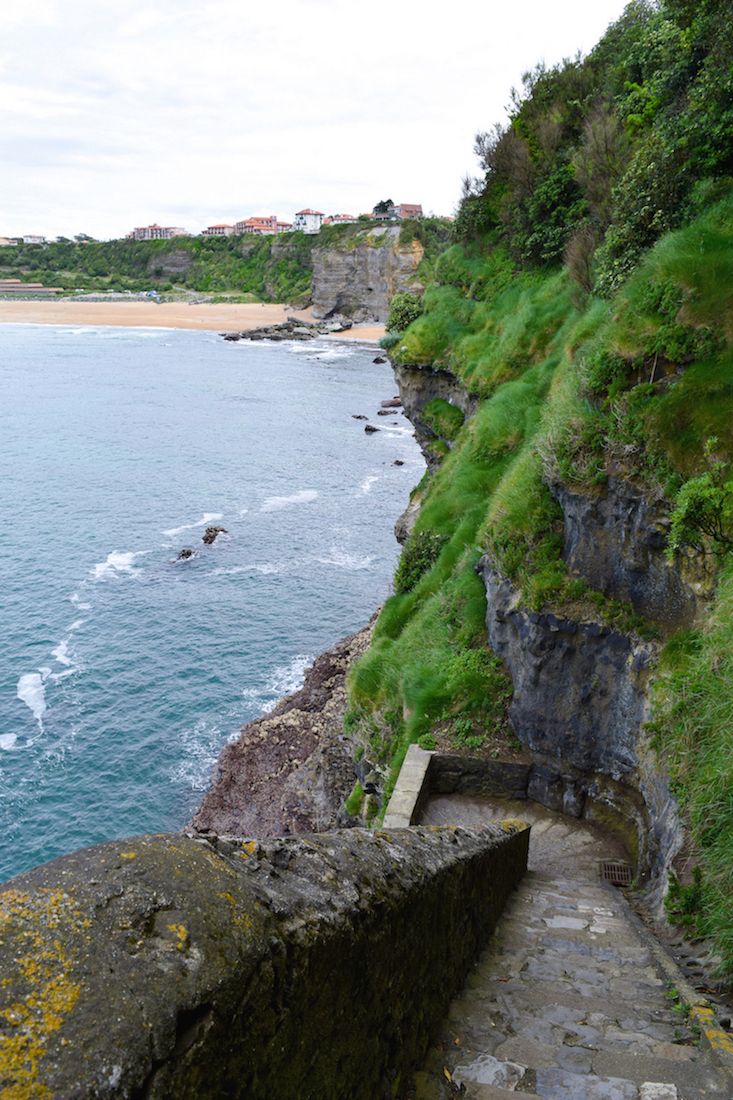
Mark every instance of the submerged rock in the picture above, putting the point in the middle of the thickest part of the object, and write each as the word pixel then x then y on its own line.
pixel 370 428
pixel 186 553
pixel 398 462
pixel 211 534
pixel 359 416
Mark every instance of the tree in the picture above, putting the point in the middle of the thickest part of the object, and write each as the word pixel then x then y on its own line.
pixel 383 207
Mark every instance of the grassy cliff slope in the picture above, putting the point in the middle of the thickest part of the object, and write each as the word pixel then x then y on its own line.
pixel 588 303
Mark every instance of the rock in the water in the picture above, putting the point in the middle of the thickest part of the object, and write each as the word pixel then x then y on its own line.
pixel 211 534
pixel 370 428
pixel 398 462
pixel 384 412
pixel 359 416
pixel 379 359
pixel 392 403
pixel 186 553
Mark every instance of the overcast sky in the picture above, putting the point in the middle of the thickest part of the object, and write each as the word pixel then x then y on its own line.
pixel 115 113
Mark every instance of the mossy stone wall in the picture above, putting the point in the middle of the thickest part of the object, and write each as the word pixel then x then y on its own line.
pixel 317 967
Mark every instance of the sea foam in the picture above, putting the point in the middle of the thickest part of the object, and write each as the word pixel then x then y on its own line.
pixel 7 740
pixel 116 562
pixel 275 504
pixel 366 485
pixel 32 692
pixel 207 517
pixel 344 560
pixel 61 652
pixel 283 680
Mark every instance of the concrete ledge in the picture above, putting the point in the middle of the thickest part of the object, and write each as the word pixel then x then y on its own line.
pixel 310 968
pixel 411 789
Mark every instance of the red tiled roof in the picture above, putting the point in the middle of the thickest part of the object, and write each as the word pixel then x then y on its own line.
pixel 309 211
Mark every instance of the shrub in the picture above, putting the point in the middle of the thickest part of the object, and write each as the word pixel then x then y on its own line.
pixel 418 556
pixel 403 310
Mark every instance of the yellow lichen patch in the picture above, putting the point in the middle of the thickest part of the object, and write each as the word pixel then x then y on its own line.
pixel 250 847
pixel 181 933
pixel 42 987
pixel 718 1039
pixel 128 855
pixel 238 918
pixel 513 824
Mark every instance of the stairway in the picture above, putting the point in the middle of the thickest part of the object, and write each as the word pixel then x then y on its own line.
pixel 568 1002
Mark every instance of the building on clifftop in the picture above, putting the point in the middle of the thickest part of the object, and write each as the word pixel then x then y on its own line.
pixel 308 221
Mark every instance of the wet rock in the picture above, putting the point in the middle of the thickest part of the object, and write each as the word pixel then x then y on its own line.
pixel 379 359
pixel 384 412
pixel 211 534
pixel 370 429
pixel 391 403
pixel 186 553
pixel 398 462
pixel 359 416
pixel 291 770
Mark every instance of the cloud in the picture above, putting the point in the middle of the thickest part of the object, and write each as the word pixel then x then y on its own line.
pixel 123 114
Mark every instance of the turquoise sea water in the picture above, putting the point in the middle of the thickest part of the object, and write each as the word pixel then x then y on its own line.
pixel 123 671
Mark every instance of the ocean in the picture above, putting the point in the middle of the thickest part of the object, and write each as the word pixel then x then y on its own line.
pixel 123 670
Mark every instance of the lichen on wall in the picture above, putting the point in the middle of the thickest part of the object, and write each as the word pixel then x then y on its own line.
pixel 168 966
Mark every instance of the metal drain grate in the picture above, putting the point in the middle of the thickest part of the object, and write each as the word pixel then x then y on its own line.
pixel 616 872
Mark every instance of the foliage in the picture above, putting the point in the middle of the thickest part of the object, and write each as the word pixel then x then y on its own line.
pixel 404 308
pixel 442 418
pixel 703 509
pixel 617 140
pixel 419 555
pixel 355 801
pixel 692 722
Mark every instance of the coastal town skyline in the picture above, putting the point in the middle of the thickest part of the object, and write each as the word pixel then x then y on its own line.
pixel 307 220
pixel 180 109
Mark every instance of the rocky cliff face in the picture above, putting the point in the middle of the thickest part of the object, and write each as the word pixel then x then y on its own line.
pixel 358 277
pixel 291 770
pixel 581 689
pixel 616 538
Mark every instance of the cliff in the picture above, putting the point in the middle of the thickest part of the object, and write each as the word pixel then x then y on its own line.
pixel 357 276
pixel 564 584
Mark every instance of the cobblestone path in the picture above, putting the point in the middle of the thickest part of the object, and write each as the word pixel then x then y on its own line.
pixel 568 1002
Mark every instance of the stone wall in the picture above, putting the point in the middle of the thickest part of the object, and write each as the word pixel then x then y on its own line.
pixel 317 967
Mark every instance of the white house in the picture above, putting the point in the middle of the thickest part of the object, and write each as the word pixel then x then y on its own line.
pixel 32 238
pixel 156 232
pixel 308 221
pixel 221 229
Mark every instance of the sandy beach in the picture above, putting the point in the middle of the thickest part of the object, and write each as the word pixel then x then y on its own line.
pixel 206 317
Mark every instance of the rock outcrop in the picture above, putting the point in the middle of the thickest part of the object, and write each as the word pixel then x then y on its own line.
pixel 291 770
pixel 358 277
pixel 418 386
pixel 579 707
pixel 616 538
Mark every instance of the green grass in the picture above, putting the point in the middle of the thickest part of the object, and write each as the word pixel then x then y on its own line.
pixel 693 727
pixel 565 395
pixel 442 418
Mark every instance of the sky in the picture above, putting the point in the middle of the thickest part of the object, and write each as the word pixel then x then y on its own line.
pixel 189 112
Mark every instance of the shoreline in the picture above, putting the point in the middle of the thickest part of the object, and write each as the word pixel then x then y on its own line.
pixel 203 317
